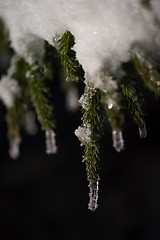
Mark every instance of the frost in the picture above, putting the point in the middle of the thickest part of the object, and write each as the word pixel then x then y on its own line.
pixel 118 142
pixel 50 142
pixel 93 195
pixel 9 89
pixel 104 31
pixel 83 101
pixel 88 93
pixel 84 134
pixel 14 148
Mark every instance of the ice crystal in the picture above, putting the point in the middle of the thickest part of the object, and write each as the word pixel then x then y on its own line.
pixel 83 101
pixel 50 142
pixel 84 134
pixel 118 142
pixel 93 195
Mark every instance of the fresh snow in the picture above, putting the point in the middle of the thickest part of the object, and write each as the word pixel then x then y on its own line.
pixel 104 30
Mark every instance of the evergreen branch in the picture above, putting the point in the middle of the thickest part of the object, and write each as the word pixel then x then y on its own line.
pixel 4 38
pixel 112 104
pixel 14 118
pixel 40 99
pixel 15 113
pixel 67 56
pixel 134 99
pixel 146 3
pixel 113 111
pixel 147 71
pixel 48 61
pixel 89 133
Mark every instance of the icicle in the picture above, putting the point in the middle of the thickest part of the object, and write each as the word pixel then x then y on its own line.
pixel 50 142
pixel 93 195
pixel 30 123
pixel 118 142
pixel 72 99
pixel 14 148
pixel 142 131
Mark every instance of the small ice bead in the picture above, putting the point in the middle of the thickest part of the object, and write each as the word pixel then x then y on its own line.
pixel 93 195
pixel 14 148
pixel 118 142
pixel 142 131
pixel 50 142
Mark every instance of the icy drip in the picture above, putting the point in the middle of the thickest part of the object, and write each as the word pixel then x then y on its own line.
pixel 50 142
pixel 14 148
pixel 72 99
pixel 93 195
pixel 30 123
pixel 118 142
pixel 142 131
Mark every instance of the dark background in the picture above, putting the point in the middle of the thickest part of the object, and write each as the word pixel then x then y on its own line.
pixel 46 197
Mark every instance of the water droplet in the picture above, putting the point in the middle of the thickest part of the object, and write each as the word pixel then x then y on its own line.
pixel 50 142
pixel 110 106
pixel 142 131
pixel 118 142
pixel 93 195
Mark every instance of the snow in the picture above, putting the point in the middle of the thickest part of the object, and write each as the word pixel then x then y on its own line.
pixel 9 89
pixel 104 31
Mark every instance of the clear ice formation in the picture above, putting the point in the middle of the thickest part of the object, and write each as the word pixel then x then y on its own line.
pixel 50 142
pixel 118 142
pixel 93 195
pixel 142 131
pixel 14 148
